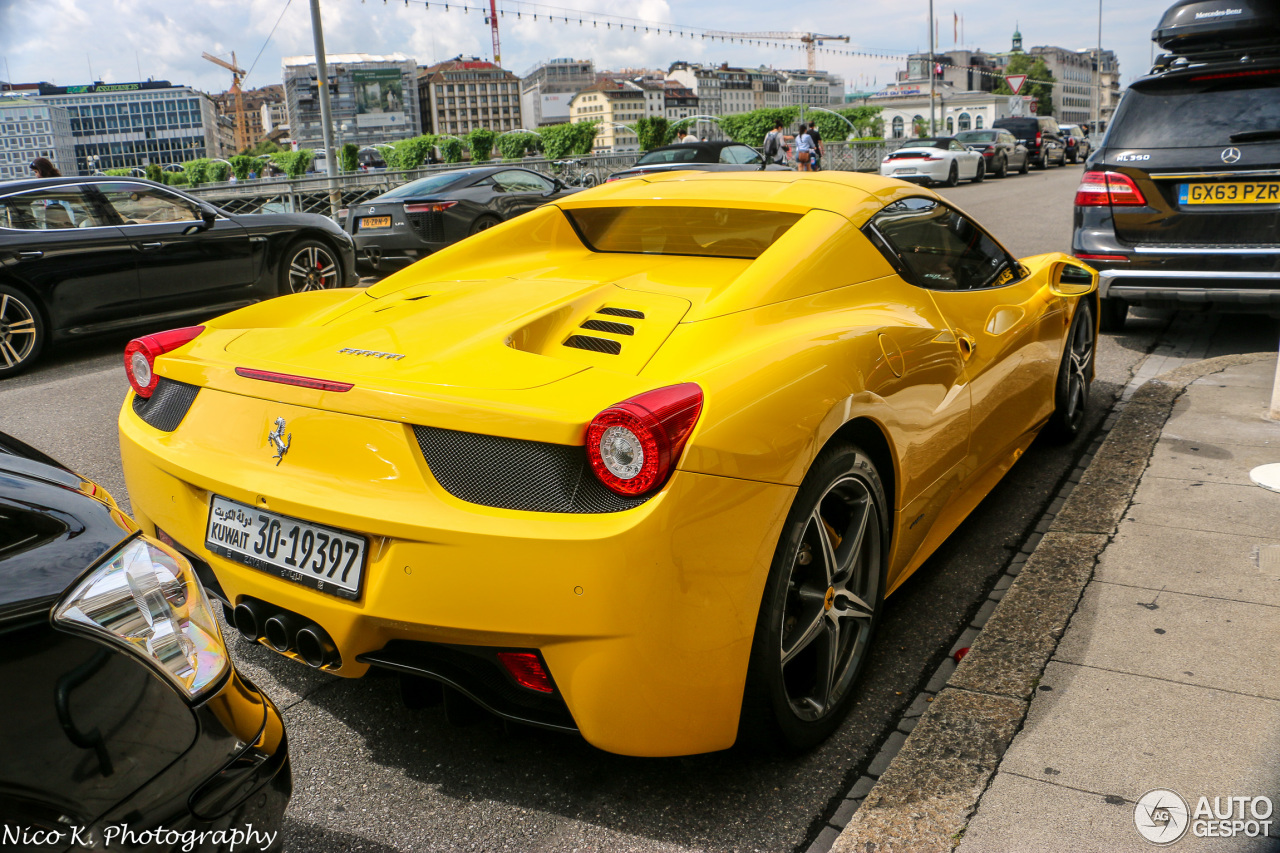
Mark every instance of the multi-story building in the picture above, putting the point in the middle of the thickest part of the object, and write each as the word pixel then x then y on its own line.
pixel 254 101
pixel 28 130
pixel 963 70
pixel 1073 91
pixel 1107 85
pixel 373 99
pixel 273 116
pixel 703 81
pixel 614 104
pixel 547 88
pixel 465 93
pixel 816 88
pixel 679 102
pixel 130 125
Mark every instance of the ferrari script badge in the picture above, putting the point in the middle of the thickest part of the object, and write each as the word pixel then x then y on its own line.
pixel 280 441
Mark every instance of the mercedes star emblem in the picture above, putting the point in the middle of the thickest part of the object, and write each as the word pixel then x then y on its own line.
pixel 280 441
pixel 1230 155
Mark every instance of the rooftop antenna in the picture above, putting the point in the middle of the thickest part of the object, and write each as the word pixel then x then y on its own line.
pixel 92 77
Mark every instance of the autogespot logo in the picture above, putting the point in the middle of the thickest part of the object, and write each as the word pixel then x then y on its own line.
pixel 1161 816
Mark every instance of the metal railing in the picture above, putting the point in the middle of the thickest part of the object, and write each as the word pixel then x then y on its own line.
pixel 312 194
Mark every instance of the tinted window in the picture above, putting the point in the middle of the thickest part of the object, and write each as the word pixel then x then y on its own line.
pixel 941 248
pixel 428 186
pixel 140 205
pixel 1208 112
pixel 667 230
pixel 972 136
pixel 45 209
pixel 931 142
pixel 739 154
pixel 684 154
pixel 519 181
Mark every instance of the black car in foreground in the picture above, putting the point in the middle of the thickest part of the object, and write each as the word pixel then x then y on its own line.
pixel 86 256
pixel 413 220
pixel 126 726
pixel 1180 204
pixel 699 156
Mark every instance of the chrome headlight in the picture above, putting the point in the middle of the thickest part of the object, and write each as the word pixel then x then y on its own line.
pixel 146 597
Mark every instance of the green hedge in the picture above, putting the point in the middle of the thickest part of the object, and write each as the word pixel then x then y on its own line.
pixel 480 141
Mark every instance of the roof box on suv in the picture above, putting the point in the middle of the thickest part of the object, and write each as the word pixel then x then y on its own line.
pixel 1192 27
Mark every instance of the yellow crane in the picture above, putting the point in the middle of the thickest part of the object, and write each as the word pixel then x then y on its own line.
pixel 237 74
pixel 810 40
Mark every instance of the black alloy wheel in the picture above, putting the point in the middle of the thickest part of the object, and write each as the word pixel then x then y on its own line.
pixel 1026 164
pixel 822 603
pixel 484 223
pixel 953 177
pixel 980 175
pixel 310 265
pixel 1002 170
pixel 1042 162
pixel 21 331
pixel 1071 391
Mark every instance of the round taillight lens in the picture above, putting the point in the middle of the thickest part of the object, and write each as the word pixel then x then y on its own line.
pixel 140 356
pixel 633 445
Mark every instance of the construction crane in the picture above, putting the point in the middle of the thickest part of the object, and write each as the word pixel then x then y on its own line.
pixel 810 40
pixel 237 74
pixel 493 25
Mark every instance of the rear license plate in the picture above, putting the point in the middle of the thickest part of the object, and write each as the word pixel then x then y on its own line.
pixel 313 555
pixel 376 222
pixel 1259 192
pixel 904 171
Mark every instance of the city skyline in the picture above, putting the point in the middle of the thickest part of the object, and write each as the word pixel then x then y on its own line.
pixel 150 40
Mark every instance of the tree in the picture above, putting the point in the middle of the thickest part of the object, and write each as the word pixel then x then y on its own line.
pixel 653 132
pixel 480 141
pixel 410 153
pixel 1035 69
pixel 243 164
pixel 294 163
pixel 263 146
pixel 349 157
pixel 751 128
pixel 154 173
pixel 515 144
pixel 450 149
pixel 197 171
pixel 563 140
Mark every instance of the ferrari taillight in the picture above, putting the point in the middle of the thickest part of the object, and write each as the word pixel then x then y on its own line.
pixel 140 356
pixel 633 445
pixel 1099 189
pixel 433 207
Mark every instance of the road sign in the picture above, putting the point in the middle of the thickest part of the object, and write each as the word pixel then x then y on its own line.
pixel 1015 105
pixel 1015 82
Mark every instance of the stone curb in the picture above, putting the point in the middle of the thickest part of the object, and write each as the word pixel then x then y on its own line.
pixel 925 798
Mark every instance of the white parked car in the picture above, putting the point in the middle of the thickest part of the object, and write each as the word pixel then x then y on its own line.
pixel 935 160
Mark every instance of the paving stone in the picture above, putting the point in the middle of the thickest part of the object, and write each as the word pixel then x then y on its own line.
pixel 941 675
pixel 845 811
pixel 880 763
pixel 825 839
pixel 983 614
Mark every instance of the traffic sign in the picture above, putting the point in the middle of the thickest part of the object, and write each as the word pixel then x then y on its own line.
pixel 1015 82
pixel 1015 105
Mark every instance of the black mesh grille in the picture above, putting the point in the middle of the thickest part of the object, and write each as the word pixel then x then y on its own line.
pixel 594 344
pixel 609 326
pixel 167 405
pixel 623 312
pixel 429 225
pixel 511 473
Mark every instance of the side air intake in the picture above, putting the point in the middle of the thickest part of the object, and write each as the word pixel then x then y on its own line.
pixel 594 344
pixel 622 312
pixel 610 327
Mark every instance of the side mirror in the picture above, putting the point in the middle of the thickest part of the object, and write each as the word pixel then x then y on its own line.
pixel 1071 280
pixel 207 217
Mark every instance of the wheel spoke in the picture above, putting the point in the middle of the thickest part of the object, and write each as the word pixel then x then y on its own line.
pixel 11 356
pixel 850 606
pixel 828 661
pixel 297 268
pixel 4 305
pixel 828 549
pixel 851 546
pixel 23 327
pixel 807 636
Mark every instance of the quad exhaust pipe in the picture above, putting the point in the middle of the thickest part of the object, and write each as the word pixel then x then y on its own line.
pixel 285 632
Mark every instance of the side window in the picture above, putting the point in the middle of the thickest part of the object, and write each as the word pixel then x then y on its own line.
pixel 940 248
pixel 956 146
pixel 47 209
pixel 517 181
pixel 739 155
pixel 136 204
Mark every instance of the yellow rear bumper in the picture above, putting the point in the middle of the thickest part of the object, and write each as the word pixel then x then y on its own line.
pixel 644 617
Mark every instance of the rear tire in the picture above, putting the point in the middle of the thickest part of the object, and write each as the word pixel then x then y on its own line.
pixel 310 265
pixel 979 175
pixel 1003 171
pixel 484 223
pixel 953 177
pixel 1026 164
pixel 1113 314
pixel 22 331
pixel 821 605
pixel 1071 391
pixel 1042 162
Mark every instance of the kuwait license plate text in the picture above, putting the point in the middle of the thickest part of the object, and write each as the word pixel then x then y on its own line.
pixel 313 555
pixel 1261 192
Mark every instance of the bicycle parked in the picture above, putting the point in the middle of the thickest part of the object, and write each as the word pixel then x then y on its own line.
pixel 574 173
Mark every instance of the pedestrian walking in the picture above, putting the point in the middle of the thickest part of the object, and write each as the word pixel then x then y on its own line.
pixel 775 150
pixel 44 168
pixel 804 150
pixel 818 151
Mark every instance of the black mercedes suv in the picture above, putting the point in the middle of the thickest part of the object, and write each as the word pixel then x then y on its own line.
pixel 1180 204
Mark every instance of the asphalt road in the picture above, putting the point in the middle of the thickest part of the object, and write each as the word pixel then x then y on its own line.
pixel 370 775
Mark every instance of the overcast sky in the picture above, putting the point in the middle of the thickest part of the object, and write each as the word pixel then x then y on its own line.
pixel 59 41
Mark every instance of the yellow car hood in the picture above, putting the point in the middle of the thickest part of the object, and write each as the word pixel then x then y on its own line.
pixel 500 334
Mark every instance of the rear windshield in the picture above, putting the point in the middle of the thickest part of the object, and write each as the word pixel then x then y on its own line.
pixel 711 232
pixel 688 154
pixel 1226 111
pixel 427 186
pixel 977 136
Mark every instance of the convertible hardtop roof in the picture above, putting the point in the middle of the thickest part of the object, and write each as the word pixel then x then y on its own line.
pixel 856 195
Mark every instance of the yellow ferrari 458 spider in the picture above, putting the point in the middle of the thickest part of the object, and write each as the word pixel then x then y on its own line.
pixel 643 463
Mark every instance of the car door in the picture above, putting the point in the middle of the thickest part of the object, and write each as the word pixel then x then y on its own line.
pixel 1006 323
pixel 967 159
pixel 57 245
pixel 183 262
pixel 518 191
pixel 740 157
